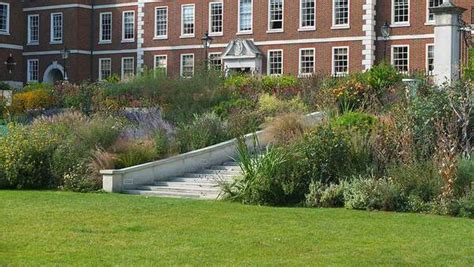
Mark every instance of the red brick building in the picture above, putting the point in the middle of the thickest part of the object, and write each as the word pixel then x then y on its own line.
pixel 106 37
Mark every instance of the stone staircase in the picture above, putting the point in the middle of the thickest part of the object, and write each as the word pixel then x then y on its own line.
pixel 204 184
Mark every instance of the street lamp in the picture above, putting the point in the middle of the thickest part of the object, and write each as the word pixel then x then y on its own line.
pixel 65 56
pixel 385 31
pixel 206 42
pixel 10 63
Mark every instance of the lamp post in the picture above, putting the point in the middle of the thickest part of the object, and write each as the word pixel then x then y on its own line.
pixel 65 56
pixel 10 63
pixel 385 31
pixel 206 42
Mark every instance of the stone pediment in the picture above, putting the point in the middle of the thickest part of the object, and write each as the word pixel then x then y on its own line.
pixel 239 48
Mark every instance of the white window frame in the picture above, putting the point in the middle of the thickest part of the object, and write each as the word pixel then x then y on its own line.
pixel 428 21
pixel 163 36
pixel 155 60
pixel 211 33
pixel 128 40
pixel 30 41
pixel 209 58
pixel 181 66
pixel 306 28
pixel 333 61
pixel 122 72
pixel 100 67
pixel 188 35
pixel 427 59
pixel 392 16
pixel 300 74
pixel 392 59
pixel 282 62
pixel 341 26
pixel 28 74
pixel 270 30
pixel 239 31
pixel 101 33
pixel 52 41
pixel 7 29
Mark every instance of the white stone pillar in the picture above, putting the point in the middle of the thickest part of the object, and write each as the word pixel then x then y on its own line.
pixel 447 59
pixel 368 52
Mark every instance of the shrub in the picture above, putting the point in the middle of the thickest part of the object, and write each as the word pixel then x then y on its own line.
pixel 326 196
pixel 226 108
pixel 205 130
pixel 325 155
pixel 162 143
pixel 419 179
pixel 4 86
pixel 355 121
pixel 465 177
pixel 79 179
pixel 136 153
pixel 374 194
pixel 32 99
pixel 381 77
pixel 242 122
pixel 99 132
pixel 26 155
pixel 271 106
pixel 266 178
pixel 285 129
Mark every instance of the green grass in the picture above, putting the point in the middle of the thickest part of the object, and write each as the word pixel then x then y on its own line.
pixel 57 228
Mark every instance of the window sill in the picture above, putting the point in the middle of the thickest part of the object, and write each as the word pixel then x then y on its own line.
pixel 429 23
pixel 244 33
pixel 216 34
pixel 276 31
pixel 401 25
pixel 105 42
pixel 55 42
pixel 128 41
pixel 4 33
pixel 160 37
pixel 340 27
pixel 32 44
pixel 187 36
pixel 307 29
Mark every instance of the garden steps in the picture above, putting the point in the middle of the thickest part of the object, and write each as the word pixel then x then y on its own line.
pixel 204 184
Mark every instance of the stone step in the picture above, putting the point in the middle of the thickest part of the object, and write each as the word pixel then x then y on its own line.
pixel 230 163
pixel 190 190
pixel 198 180
pixel 227 168
pixel 221 172
pixel 162 194
pixel 187 184
pixel 209 176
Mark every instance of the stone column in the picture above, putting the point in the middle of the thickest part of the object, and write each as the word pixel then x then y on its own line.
pixel 447 42
pixel 368 52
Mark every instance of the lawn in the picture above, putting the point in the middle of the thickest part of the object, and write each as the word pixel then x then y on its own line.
pixel 57 228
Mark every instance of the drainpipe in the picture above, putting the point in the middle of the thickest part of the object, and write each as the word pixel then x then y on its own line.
pixel 91 33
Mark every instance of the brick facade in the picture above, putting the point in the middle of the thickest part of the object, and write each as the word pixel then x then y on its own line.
pixel 81 35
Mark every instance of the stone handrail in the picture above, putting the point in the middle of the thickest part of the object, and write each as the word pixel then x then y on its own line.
pixel 131 177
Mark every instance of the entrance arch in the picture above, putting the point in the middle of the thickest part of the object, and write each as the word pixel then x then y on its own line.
pixel 54 73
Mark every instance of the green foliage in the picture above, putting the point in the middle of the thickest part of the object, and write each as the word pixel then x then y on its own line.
pixel 381 77
pixel 271 106
pixel 26 156
pixel 419 179
pixel 79 179
pixel 325 155
pixel 265 177
pixel 326 196
pixel 469 68
pixel 374 194
pixel 205 130
pixel 225 108
pixel 137 152
pixel 4 86
pixel 465 176
pixel 162 143
pixel 355 121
